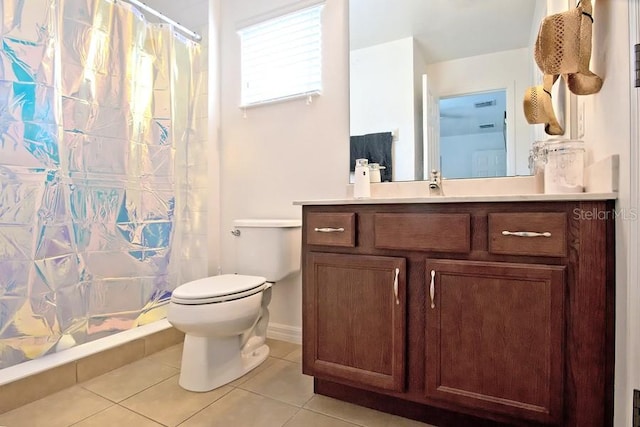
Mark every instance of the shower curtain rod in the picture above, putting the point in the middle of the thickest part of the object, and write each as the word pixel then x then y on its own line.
pixel 197 37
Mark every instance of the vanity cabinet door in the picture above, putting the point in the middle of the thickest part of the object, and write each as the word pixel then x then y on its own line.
pixel 354 323
pixel 494 337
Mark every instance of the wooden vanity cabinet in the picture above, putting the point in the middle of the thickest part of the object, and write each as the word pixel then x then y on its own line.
pixel 494 337
pixel 520 328
pixel 358 319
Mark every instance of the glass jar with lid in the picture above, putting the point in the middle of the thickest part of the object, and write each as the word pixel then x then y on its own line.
pixel 537 161
pixel 375 174
pixel 564 168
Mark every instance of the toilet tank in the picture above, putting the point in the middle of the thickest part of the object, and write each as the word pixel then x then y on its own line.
pixel 267 247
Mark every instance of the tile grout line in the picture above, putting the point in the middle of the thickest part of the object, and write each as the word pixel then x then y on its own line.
pixel 301 408
pixel 153 356
pixel 291 417
pixel 95 413
pixel 240 386
pixel 234 387
pixel 209 405
pixel 335 417
pixel 96 394
pixel 134 394
pixel 142 415
pixel 145 389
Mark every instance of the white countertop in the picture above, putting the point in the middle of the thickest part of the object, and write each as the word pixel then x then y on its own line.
pixel 601 184
pixel 464 199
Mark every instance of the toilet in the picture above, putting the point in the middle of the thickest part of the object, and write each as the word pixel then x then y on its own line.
pixel 225 317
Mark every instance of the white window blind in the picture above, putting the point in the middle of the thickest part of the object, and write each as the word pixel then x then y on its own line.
pixel 281 57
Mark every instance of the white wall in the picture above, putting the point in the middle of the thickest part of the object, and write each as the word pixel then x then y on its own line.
pixel 607 131
pixel 503 70
pixel 282 152
pixel 382 99
pixel 419 65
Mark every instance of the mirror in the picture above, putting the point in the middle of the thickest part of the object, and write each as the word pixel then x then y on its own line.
pixel 473 135
pixel 413 62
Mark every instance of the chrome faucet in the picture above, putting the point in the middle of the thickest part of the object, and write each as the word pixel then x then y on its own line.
pixel 435 184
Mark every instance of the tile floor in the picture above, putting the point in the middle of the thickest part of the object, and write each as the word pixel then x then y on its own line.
pixel 146 393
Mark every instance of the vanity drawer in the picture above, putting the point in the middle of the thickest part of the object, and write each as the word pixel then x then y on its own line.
pixel 531 233
pixel 423 232
pixel 331 229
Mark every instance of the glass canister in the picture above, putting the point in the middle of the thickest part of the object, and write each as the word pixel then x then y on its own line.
pixel 537 161
pixel 375 174
pixel 564 169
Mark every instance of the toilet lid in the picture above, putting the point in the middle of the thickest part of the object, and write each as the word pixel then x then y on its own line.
pixel 217 286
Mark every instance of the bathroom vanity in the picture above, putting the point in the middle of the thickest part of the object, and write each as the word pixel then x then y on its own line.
pixel 463 311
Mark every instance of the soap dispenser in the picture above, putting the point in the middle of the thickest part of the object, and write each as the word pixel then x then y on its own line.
pixel 362 185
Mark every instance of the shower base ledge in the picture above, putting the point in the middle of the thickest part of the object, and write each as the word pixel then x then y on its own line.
pixel 53 360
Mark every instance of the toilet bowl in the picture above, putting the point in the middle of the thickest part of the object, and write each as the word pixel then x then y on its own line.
pixel 225 317
pixel 215 313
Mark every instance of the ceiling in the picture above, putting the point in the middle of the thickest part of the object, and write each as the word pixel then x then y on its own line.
pixel 444 29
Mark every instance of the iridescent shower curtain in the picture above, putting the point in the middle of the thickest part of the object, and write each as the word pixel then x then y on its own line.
pixel 97 113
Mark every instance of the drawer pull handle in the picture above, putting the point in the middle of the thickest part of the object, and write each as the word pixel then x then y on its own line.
pixel 432 288
pixel 526 234
pixel 395 285
pixel 329 230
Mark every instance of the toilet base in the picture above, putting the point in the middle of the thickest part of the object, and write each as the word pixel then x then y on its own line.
pixel 211 362
pixel 256 354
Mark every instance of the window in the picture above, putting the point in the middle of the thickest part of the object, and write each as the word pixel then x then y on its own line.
pixel 281 57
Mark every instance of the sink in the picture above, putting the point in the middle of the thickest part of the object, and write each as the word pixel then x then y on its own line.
pixel 454 187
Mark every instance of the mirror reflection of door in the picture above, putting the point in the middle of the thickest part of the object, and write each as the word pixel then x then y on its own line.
pixel 473 135
pixel 430 129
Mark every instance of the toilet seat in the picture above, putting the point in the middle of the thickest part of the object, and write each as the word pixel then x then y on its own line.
pixel 216 289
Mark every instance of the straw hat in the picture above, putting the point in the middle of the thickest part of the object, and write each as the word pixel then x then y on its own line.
pixel 584 82
pixel 563 46
pixel 538 107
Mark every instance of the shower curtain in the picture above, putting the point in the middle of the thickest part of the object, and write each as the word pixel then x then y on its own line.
pixel 100 167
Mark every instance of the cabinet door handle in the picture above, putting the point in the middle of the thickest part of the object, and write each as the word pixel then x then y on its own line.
pixel 432 288
pixel 329 230
pixel 395 285
pixel 526 233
